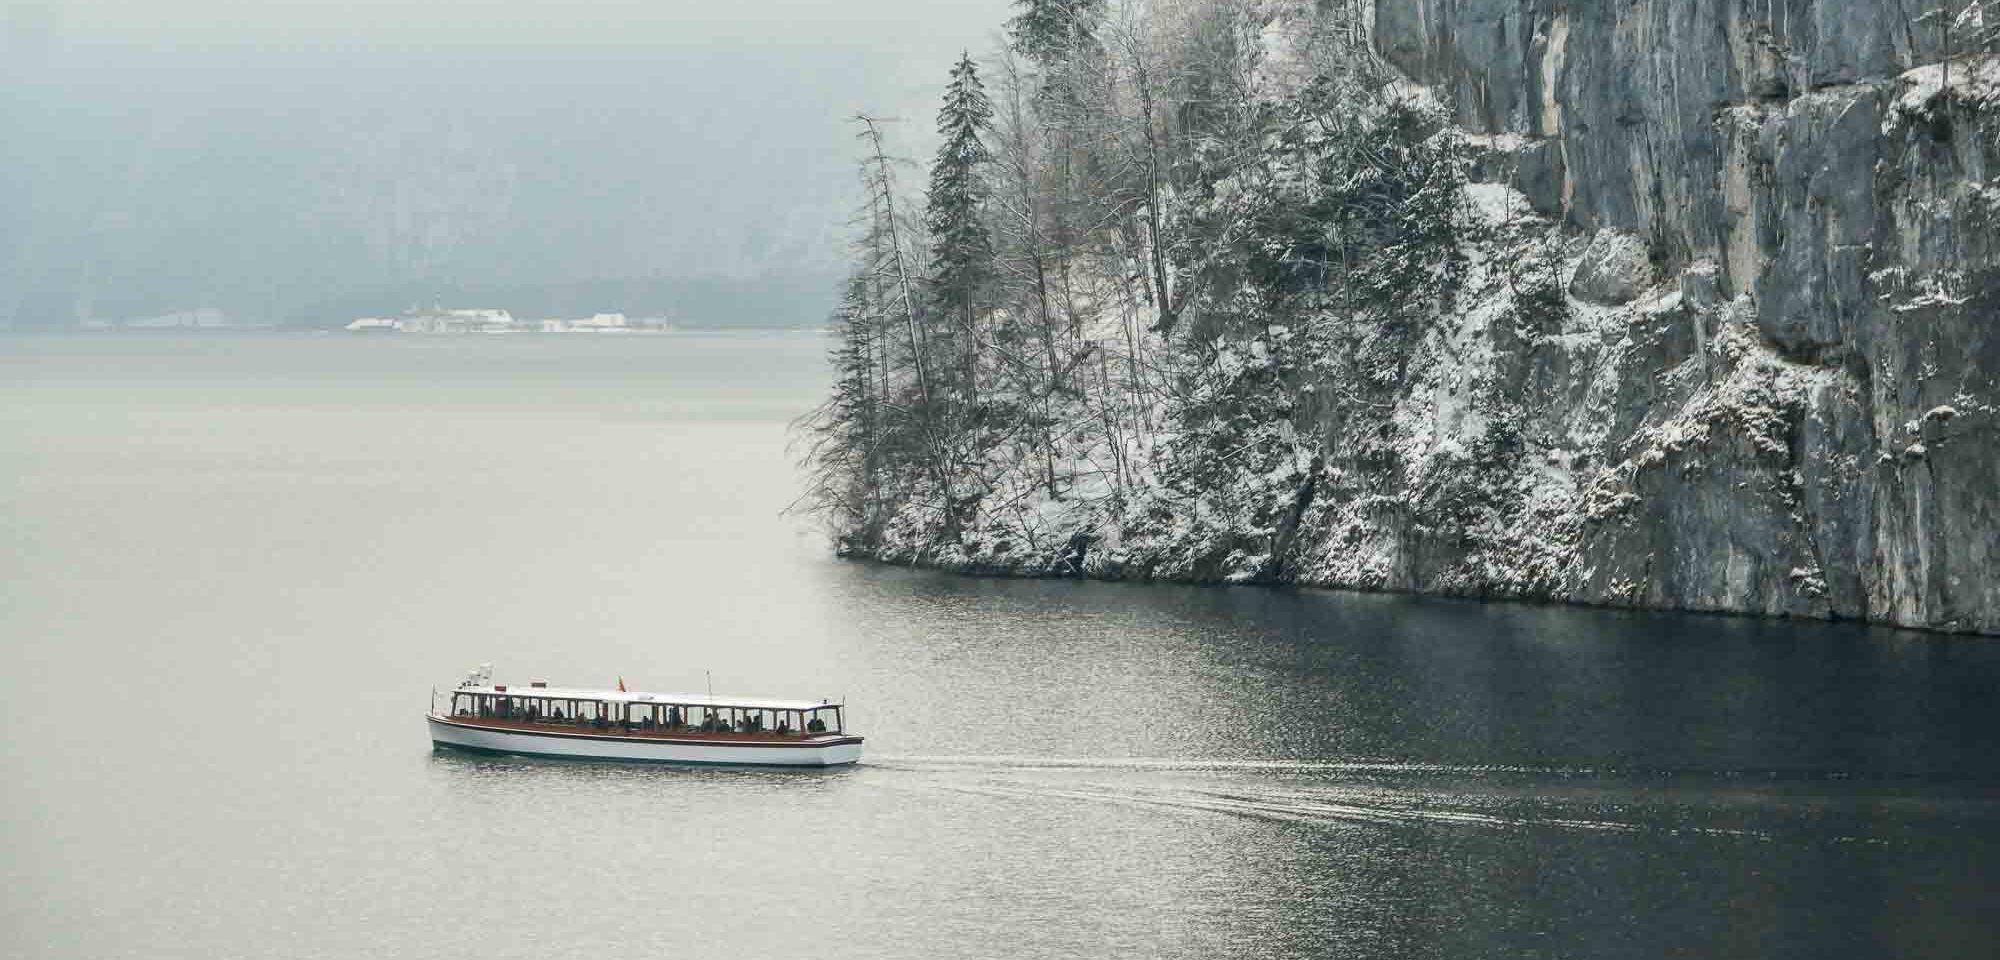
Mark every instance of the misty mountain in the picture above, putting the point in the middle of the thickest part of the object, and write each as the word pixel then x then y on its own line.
pixel 287 175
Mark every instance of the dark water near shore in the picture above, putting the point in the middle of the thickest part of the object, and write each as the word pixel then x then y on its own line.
pixel 234 566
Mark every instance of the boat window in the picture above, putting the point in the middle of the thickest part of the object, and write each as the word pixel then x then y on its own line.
pixel 643 718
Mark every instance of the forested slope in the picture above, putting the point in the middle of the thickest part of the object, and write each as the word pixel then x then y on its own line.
pixel 1674 303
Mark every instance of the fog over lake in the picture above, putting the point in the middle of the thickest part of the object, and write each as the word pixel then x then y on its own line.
pixel 307 162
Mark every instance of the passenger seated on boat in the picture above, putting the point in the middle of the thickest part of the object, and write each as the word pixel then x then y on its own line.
pixel 816 725
pixel 784 726
pixel 534 712
pixel 647 723
pixel 599 722
pixel 673 718
pixel 556 714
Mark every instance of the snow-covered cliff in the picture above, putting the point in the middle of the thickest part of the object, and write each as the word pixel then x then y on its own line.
pixel 1800 417
pixel 1725 337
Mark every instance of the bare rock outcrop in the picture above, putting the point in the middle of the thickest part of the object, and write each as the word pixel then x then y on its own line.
pixel 1833 203
pixel 1615 269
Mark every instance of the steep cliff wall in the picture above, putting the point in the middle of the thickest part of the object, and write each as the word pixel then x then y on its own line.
pixel 1724 339
pixel 1801 168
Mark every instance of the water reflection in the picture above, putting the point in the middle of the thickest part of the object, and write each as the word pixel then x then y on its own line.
pixel 1161 671
pixel 1182 772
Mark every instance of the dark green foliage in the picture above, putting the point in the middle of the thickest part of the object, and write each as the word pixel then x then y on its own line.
pixel 1169 299
pixel 1321 254
pixel 1480 495
pixel 1047 30
pixel 843 436
pixel 961 246
pixel 1541 299
pixel 1357 219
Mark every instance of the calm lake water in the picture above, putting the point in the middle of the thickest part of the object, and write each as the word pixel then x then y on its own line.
pixel 234 567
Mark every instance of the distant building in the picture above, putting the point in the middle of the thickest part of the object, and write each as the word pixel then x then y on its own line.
pixel 596 323
pixel 480 320
pixel 439 321
pixel 488 320
pixel 200 317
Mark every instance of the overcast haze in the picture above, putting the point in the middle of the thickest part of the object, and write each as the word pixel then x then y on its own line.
pixel 302 161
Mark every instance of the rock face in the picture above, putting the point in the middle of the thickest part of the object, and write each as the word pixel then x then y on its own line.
pixel 1615 269
pixel 1729 339
pixel 1802 167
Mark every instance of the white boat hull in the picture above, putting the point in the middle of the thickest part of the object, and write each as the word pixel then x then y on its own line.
pixel 826 750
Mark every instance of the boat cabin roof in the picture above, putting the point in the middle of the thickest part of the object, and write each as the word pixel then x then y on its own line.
pixel 703 700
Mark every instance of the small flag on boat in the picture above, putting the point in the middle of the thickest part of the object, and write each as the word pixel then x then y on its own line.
pixel 621 684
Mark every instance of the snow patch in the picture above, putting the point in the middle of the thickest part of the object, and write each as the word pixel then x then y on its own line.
pixel 1974 80
pixel 1496 204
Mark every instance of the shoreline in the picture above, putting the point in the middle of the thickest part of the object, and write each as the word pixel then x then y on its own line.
pixel 1026 572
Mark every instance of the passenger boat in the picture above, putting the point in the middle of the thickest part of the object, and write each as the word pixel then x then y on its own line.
pixel 545 721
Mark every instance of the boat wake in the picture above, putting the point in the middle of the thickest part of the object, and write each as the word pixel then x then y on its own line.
pixel 1378 793
pixel 1307 807
pixel 1217 766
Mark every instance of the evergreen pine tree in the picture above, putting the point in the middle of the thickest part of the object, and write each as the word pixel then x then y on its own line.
pixel 1047 30
pixel 961 246
pixel 842 437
